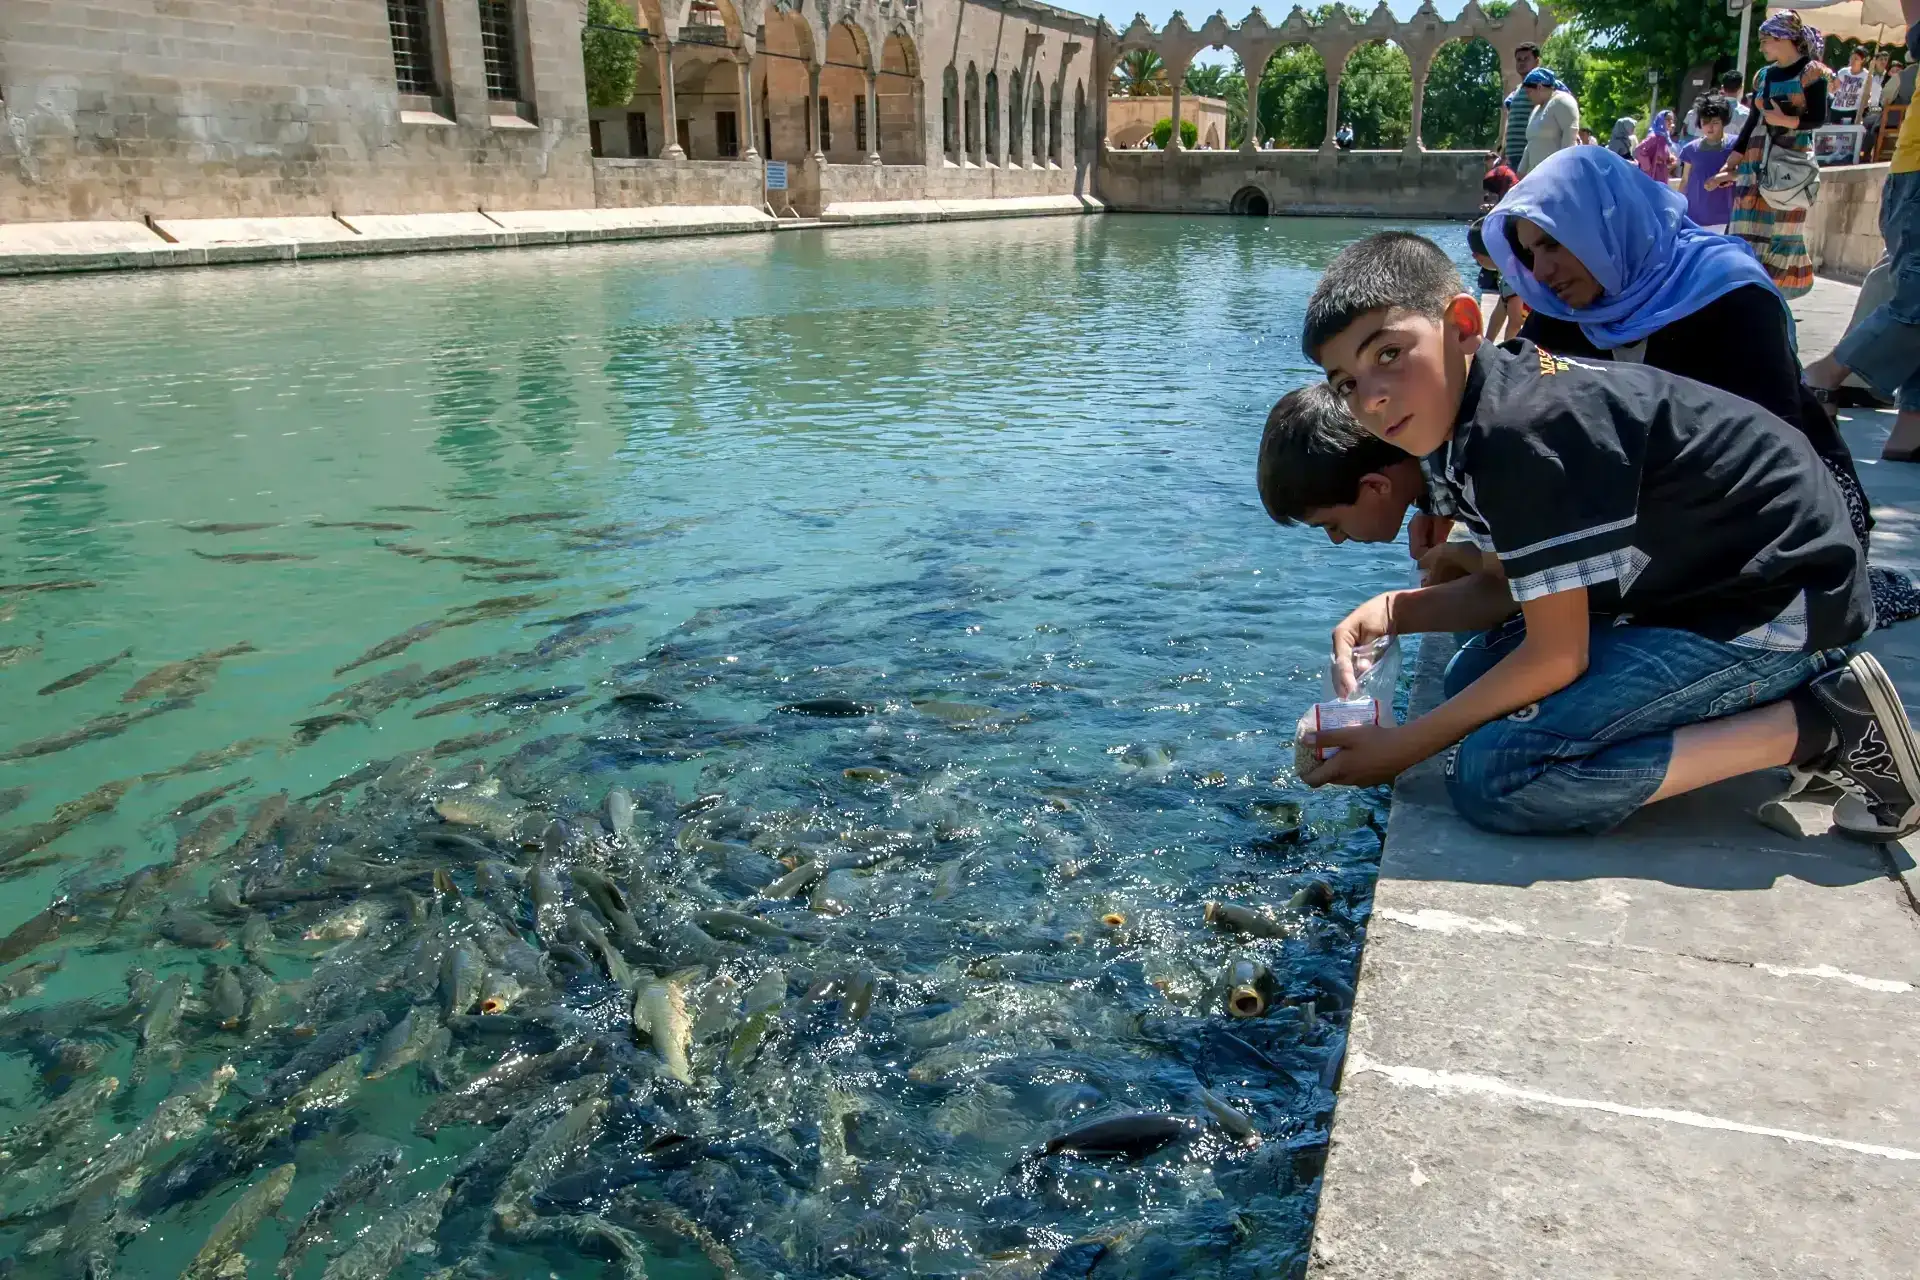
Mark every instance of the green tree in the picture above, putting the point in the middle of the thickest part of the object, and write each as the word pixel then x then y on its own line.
pixel 1376 96
pixel 1293 98
pixel 1603 82
pixel 1228 84
pixel 1463 97
pixel 612 59
pixel 1163 132
pixel 1632 36
pixel 1140 74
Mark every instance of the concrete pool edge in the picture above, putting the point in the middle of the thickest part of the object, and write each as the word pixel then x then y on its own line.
pixel 59 248
pixel 1683 1049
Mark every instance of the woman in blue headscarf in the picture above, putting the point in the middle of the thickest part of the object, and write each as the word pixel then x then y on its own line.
pixel 1615 270
pixel 1654 155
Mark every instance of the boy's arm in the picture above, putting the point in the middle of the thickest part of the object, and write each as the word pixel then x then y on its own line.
pixel 1552 656
pixel 1473 603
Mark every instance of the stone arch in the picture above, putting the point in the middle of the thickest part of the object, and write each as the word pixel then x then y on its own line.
pixel 843 94
pixel 788 56
pixel 1037 109
pixel 1461 96
pixel 1016 118
pixel 992 111
pixel 1376 95
pixel 970 132
pixel 1250 202
pixel 902 140
pixel 950 114
pixel 1212 140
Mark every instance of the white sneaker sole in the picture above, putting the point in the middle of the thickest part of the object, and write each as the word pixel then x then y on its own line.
pixel 1851 816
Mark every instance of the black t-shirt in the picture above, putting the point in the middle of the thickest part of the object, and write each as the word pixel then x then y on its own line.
pixel 1675 504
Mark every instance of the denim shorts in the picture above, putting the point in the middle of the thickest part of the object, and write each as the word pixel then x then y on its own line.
pixel 1589 756
pixel 1884 347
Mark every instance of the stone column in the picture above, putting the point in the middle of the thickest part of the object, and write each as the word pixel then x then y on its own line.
pixel 873 116
pixel 1175 75
pixel 1421 67
pixel 670 124
pixel 1334 73
pixel 1253 59
pixel 813 114
pixel 751 152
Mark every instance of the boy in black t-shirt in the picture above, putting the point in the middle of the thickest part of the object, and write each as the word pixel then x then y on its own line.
pixel 1682 561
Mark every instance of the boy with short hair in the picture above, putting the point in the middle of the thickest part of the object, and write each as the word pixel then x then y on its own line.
pixel 1682 561
pixel 1509 313
pixel 1709 202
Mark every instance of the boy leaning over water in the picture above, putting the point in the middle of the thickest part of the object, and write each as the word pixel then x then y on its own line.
pixel 1682 562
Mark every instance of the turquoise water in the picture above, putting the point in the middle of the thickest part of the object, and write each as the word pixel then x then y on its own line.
pixel 1002 466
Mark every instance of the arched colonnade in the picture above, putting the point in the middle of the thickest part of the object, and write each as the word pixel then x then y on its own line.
pixel 1256 41
pixel 1016 116
pixel 760 80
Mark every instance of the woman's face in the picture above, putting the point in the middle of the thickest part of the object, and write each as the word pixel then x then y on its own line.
pixel 1779 50
pixel 1555 266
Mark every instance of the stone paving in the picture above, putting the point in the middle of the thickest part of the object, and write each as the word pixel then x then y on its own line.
pixel 1686 1049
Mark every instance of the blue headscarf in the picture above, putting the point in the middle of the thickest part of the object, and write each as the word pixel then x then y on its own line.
pixel 1654 264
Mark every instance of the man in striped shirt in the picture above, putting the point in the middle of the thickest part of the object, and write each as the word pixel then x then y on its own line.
pixel 1513 139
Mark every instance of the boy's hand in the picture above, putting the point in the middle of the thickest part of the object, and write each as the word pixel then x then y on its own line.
pixel 1369 755
pixel 1425 532
pixel 1450 561
pixel 1361 627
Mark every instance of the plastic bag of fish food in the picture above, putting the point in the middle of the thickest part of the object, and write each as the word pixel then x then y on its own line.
pixel 1376 669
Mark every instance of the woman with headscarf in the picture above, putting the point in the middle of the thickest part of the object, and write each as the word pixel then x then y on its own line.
pixel 1622 141
pixel 1789 102
pixel 1614 269
pixel 1654 155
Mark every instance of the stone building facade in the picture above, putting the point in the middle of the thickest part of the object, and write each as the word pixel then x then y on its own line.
pixel 146 109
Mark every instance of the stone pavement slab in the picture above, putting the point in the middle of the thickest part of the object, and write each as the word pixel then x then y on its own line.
pixel 1688 1048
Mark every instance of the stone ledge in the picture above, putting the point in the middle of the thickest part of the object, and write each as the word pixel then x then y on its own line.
pixel 875 212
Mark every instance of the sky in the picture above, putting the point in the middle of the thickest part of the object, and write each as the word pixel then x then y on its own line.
pixel 1120 15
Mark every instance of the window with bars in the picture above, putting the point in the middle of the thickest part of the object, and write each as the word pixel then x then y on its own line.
pixel 500 49
pixel 826 127
pixel 860 123
pixel 411 30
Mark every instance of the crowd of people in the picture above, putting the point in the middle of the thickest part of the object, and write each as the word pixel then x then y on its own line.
pixel 1628 489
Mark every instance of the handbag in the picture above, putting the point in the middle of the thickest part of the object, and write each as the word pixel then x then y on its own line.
pixel 1789 180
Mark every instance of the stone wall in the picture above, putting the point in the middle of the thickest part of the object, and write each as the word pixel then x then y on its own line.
pixel 186 108
pixel 844 183
pixel 637 184
pixel 1131 119
pixel 1425 184
pixel 1843 227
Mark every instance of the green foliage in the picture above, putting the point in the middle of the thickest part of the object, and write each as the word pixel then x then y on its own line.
pixel 1463 98
pixel 1602 81
pixel 1630 36
pixel 1140 74
pixel 1293 98
pixel 1376 96
pixel 1189 133
pixel 612 59
pixel 1228 84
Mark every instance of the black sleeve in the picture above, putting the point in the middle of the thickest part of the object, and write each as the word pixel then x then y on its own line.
pixel 1738 343
pixel 1563 337
pixel 1814 114
pixel 1557 480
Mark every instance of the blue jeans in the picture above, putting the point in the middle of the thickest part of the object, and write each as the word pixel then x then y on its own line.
pixel 1884 348
pixel 1586 758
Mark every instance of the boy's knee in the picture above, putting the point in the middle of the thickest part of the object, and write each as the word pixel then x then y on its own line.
pixel 1494 777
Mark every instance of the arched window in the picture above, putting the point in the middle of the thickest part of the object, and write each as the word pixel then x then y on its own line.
pixel 950 114
pixel 1039 122
pixel 1079 123
pixel 973 114
pixel 993 117
pixel 1053 129
pixel 1015 130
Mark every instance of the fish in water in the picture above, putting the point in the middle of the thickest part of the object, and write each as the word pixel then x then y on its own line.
pixel 660 1011
pixel 381 1248
pixel 472 742
pixel 85 674
pixel 219 1256
pixel 211 796
pixel 221 530
pixel 107 726
pixel 252 557
pixel 478 562
pixel 201 762
pixel 523 576
pixel 11 798
pixel 13 654
pixel 827 707
pixel 37 931
pixel 359 1185
pixel 496 607
pixel 530 517
pixel 590 615
pixel 387 648
pixel 309 730
pixel 1230 918
pixel 65 584
pixel 407 506
pixel 186 678
pixel 1129 1137
pixel 374 526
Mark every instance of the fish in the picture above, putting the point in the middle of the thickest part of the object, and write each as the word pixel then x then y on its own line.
pixel 584 927
pixel 521 575
pixel 352 921
pixel 203 761
pixel 189 674
pixel 13 654
pixel 12 798
pixel 260 824
pixel 590 615
pixel 394 644
pixel 37 930
pixel 309 730
pixel 660 1011
pixel 953 712
pixel 796 881
pixel 407 506
pixel 27 979
pixel 222 530
pixel 611 903
pixel 199 844
pixel 256 1204
pixel 227 999
pixel 461 973
pixel 562 1142
pixel 480 562
pixel 211 796
pixel 94 730
pixel 529 517
pixel 827 707
pixel 642 701
pixel 1315 895
pixel 66 584
pixel 154 1033
pixel 490 815
pixel 385 1245
pixel 407 1042
pixel 1249 985
pixel 1236 919
pixel 188 929
pixel 620 813
pixel 498 607
pixel 340 1041
pixel 457 704
pixel 375 526
pixel 1230 1118
pixel 447 677
pixel 1128 1137
pixel 361 1183
pixel 472 742
pixel 252 557
pixel 55 1120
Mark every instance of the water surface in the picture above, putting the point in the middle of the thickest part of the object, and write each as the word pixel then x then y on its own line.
pixel 1004 466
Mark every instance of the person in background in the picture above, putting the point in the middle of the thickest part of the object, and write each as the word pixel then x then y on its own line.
pixel 1702 159
pixel 1497 181
pixel 1516 108
pixel 1555 122
pixel 1585 137
pixel 1849 88
pixel 1872 101
pixel 1509 313
pixel 1654 155
pixel 1623 142
pixel 1790 100
pixel 1343 136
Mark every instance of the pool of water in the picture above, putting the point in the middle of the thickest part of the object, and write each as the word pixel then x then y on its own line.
pixel 992 482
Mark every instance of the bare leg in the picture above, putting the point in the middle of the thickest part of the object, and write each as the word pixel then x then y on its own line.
pixel 1904 444
pixel 1704 754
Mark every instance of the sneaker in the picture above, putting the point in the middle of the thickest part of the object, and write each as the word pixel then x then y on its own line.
pixel 1877 758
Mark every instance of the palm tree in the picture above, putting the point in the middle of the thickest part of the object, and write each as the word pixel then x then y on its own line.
pixel 1140 74
pixel 1209 82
